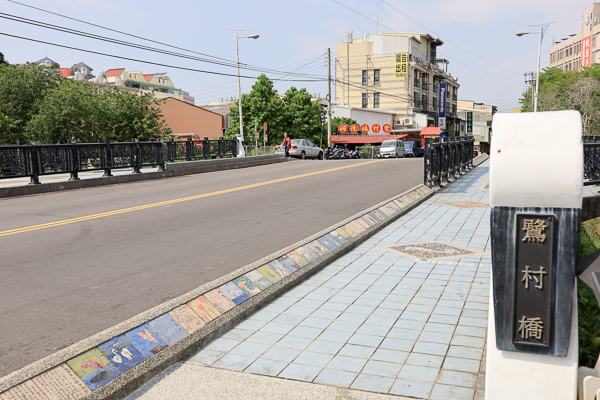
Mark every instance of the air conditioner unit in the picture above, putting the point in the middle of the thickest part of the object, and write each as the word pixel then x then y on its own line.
pixel 399 122
pixel 408 121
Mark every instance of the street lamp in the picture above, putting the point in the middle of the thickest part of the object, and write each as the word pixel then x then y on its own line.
pixel 543 28
pixel 241 152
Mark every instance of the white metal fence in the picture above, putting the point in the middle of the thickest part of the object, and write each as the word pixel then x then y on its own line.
pixel 262 150
pixel 367 152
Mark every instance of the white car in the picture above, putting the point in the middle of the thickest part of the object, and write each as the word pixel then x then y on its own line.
pixel 392 148
pixel 303 148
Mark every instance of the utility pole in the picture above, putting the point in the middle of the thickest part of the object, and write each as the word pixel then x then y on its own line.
pixel 348 70
pixel 367 82
pixel 328 97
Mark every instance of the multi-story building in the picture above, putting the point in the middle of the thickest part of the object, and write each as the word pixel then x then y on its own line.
pixel 579 49
pixel 480 126
pixel 399 73
pixel 160 85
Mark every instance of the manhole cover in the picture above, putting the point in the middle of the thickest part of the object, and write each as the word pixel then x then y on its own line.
pixel 466 204
pixel 426 251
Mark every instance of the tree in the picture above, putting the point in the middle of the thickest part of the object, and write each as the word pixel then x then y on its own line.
pixel 262 104
pixel 337 121
pixel 21 90
pixel 2 60
pixel 303 117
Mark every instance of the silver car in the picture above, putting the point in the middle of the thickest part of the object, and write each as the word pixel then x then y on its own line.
pixel 303 148
pixel 392 148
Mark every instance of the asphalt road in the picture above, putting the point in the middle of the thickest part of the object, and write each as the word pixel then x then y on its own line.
pixel 75 263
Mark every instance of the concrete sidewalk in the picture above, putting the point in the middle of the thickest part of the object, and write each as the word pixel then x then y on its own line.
pixel 404 314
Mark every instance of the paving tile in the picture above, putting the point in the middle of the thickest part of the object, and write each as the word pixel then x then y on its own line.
pixel 306 332
pixel 300 311
pixel 335 336
pixel 468 341
pixel 410 324
pixel 414 316
pixel 300 372
pixel 234 362
pixel 381 321
pixel 273 327
pixel 250 349
pixel 475 314
pixel 345 326
pixel 314 359
pixel 465 352
pixel 393 356
pixel 334 306
pixel 430 348
pixel 397 344
pixel 350 364
pixel 387 312
pixel 366 340
pixel 399 333
pixel 222 344
pixel 425 360
pixel 264 338
pixel 444 392
pixel 382 368
pixel 288 319
pixel 441 328
pixel 373 383
pixel 456 378
pixel 322 346
pixel 266 367
pixel 281 354
pixel 373 330
pixel 461 364
pixel 420 390
pixel 435 337
pixel 251 325
pixel 206 357
pixel 423 308
pixel 263 315
pixel 292 342
pixel 336 378
pixel 352 350
pixel 476 322
pixel 444 319
pixel 326 314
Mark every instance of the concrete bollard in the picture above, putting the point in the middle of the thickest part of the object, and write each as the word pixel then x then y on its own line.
pixel 536 186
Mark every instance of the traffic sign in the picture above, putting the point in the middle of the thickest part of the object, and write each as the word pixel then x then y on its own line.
pixel 354 128
pixel 376 128
pixel 256 135
pixel 265 126
pixel 387 128
pixel 364 128
pixel 343 128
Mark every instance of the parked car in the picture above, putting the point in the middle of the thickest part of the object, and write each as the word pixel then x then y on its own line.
pixel 303 148
pixel 392 148
pixel 413 149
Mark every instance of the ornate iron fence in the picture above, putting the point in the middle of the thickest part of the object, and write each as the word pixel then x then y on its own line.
pixel 591 160
pixel 447 159
pixel 190 150
pixel 33 160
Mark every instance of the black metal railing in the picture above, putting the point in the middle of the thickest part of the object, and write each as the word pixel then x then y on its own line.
pixel 447 159
pixel 190 150
pixel 35 160
pixel 591 160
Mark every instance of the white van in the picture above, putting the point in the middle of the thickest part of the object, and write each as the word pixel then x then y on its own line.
pixel 392 148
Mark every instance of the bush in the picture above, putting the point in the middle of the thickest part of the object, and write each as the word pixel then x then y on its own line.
pixel 588 308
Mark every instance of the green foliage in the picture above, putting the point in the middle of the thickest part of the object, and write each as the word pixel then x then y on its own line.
pixel 295 114
pixel 337 121
pixel 43 107
pixel 588 308
pixel 573 90
pixel 2 59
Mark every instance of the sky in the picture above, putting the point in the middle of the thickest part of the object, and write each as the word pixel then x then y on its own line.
pixel 480 42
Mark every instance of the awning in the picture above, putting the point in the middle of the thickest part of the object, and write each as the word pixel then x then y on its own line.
pixel 431 131
pixel 364 139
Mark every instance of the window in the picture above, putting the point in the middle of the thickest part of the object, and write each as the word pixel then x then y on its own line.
pixel 416 79
pixel 435 103
pixel 365 100
pixel 424 101
pixel 417 99
pixel 376 99
pixel 376 77
pixel 365 77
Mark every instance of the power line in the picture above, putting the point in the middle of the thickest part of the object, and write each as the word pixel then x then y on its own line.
pixel 134 45
pixel 152 63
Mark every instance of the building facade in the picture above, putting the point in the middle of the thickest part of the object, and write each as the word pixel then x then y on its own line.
pixel 188 120
pixel 160 85
pixel 481 122
pixel 580 49
pixel 398 73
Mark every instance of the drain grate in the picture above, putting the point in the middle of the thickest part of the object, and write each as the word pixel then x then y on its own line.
pixel 427 251
pixel 466 204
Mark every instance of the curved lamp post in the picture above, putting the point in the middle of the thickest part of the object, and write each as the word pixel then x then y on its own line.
pixel 543 28
pixel 241 152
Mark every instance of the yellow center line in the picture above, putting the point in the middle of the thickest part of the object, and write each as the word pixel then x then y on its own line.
pixel 174 201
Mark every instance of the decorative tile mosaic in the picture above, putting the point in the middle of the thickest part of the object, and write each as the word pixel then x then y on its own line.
pixel 327 242
pixel 221 301
pixel 25 391
pixel 234 293
pixel 204 308
pixel 168 329
pixel 345 233
pixel 122 353
pixel 94 368
pixel 306 254
pixel 187 319
pixel 315 249
pixel 247 286
pixel 258 279
pixel 297 258
pixel 60 383
pixel 431 251
pixel 338 237
pixel 279 268
pixel 269 274
pixel 320 247
pixel 147 341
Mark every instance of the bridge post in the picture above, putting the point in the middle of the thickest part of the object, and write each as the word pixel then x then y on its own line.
pixel 536 191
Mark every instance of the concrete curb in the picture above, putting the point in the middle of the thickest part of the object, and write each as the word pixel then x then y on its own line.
pixel 480 159
pixel 172 170
pixel 127 382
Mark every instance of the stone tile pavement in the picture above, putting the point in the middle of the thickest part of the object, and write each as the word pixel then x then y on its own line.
pixel 376 321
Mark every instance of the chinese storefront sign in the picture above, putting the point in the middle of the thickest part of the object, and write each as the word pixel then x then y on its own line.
pixel 375 128
pixel 343 128
pixel 364 128
pixel 354 128
pixel 532 316
pixel 442 105
pixel 401 65
pixel 387 128
pixel 586 54
pixel 470 122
